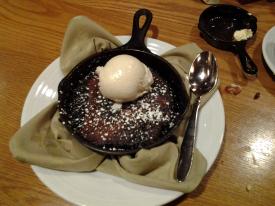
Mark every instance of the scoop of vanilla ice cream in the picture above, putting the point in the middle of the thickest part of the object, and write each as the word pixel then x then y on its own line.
pixel 124 78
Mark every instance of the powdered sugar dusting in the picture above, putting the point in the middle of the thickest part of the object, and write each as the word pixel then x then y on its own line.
pixel 115 126
pixel 116 107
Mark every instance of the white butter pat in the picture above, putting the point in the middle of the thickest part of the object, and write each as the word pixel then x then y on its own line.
pixel 242 34
pixel 124 78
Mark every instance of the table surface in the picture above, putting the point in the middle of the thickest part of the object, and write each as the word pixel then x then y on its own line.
pixel 31 34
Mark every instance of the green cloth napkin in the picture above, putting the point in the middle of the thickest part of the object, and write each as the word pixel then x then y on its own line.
pixel 45 142
pixel 211 1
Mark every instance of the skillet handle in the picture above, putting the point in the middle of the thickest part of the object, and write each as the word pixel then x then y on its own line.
pixel 248 66
pixel 139 33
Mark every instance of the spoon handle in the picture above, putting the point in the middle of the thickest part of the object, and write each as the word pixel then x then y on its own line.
pixel 187 146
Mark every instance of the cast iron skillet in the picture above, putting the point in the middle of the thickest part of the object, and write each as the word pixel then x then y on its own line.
pixel 134 47
pixel 217 25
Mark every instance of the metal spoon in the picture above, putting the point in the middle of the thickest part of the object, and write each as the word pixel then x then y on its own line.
pixel 203 77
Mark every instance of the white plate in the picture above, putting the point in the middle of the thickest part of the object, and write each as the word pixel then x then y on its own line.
pixel 268 49
pixel 97 188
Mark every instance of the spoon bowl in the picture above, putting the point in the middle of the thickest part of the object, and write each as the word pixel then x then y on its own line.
pixel 203 76
pixel 203 73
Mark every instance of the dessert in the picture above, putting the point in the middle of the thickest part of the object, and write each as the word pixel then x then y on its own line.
pixel 115 126
pixel 124 78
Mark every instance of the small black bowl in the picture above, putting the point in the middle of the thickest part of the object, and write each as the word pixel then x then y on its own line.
pixel 217 25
